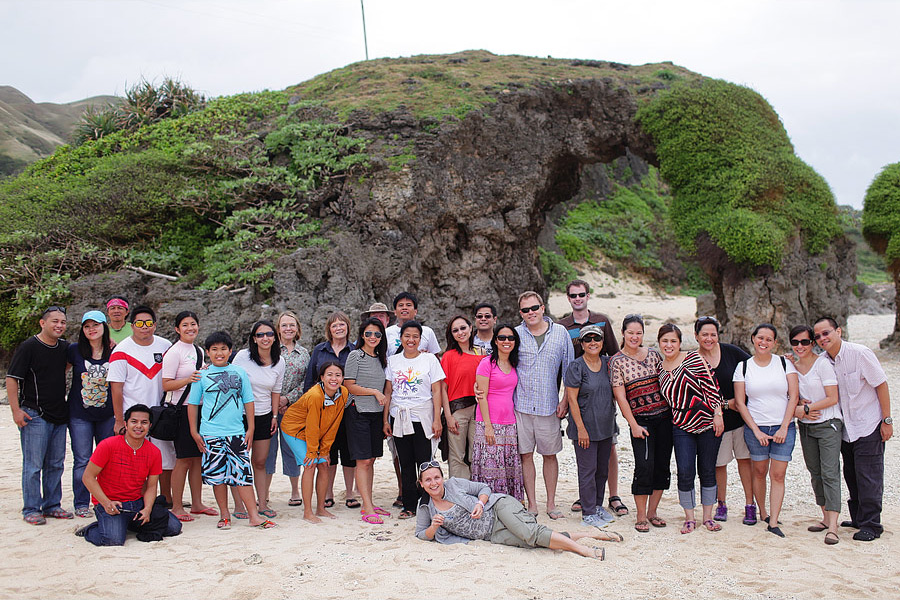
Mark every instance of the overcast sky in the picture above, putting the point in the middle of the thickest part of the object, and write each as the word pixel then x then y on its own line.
pixel 828 67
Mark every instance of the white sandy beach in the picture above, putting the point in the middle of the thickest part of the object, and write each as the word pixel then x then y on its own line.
pixel 347 558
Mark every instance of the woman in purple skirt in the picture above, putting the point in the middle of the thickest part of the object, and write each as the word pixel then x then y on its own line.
pixel 495 454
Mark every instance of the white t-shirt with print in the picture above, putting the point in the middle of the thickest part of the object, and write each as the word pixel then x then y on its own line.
pixel 139 368
pixel 411 380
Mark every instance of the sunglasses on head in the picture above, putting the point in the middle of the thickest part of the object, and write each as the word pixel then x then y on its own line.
pixel 578 295
pixel 144 323
pixel 431 464
pixel 527 309
pixel 374 334
pixel 51 309
pixel 796 342
pixel 264 334
pixel 635 316
pixel 506 338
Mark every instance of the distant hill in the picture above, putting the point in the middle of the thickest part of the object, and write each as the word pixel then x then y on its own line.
pixel 30 131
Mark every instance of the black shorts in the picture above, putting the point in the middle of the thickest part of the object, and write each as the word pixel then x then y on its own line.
pixel 262 427
pixel 365 433
pixel 185 446
pixel 340 446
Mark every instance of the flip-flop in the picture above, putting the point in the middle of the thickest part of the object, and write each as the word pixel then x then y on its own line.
pixel 712 525
pixel 576 506
pixel 657 522
pixel 266 525
pixel 620 509
pixel 295 502
pixel 223 524
pixel 600 553
pixel 642 526
pixel 351 503
pixel 406 514
pixel 185 518
pixel 555 514
pixel 206 511
pixel 612 536
pixel 382 512
pixel 398 503
pixel 373 519
pixel 240 514
pixel 329 502
pixel 834 539
pixel 817 527
pixel 268 513
pixel 688 526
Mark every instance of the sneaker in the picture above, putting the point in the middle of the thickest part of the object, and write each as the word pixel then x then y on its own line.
pixel 604 515
pixel 593 521
pixel 750 514
pixel 721 512
pixel 84 512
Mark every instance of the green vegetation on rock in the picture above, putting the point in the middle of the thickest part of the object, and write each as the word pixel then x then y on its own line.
pixel 870 267
pixel 881 215
pixel 734 175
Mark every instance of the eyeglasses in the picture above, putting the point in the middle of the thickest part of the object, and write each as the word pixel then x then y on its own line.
pixel 801 342
pixel 506 338
pixel 592 337
pixel 144 323
pixel 431 464
pixel 374 334
pixel 484 316
pixel 51 309
pixel 527 309
pixel 578 295
pixel 264 334
pixel 825 333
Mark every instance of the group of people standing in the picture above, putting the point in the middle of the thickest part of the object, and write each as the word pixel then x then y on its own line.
pixel 488 404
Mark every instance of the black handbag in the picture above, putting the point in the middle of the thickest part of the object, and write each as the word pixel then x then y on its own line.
pixel 164 425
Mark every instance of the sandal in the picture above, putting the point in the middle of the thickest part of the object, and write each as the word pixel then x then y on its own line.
pixel 611 536
pixel 241 514
pixel 406 514
pixel 834 539
pixel 206 511
pixel 83 511
pixel 712 525
pixel 817 527
pixel 266 525
pixel 642 526
pixel 351 503
pixel 59 513
pixel 372 519
pixel 398 503
pixel 555 514
pixel 382 512
pixel 329 502
pixel 35 519
pixel 185 518
pixel 617 506
pixel 268 513
pixel 688 526
pixel 657 522
pixel 223 524
pixel 576 506
pixel 600 553
pixel 295 502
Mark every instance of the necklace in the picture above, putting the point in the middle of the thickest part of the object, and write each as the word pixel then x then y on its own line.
pixel 133 449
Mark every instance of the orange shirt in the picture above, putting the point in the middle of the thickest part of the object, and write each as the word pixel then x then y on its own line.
pixel 310 420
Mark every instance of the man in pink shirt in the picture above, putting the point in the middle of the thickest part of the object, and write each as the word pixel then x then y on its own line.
pixel 866 407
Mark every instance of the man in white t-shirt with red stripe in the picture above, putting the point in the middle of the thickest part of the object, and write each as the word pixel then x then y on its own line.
pixel 135 377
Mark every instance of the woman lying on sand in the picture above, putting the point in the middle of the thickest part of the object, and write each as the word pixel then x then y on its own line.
pixel 460 510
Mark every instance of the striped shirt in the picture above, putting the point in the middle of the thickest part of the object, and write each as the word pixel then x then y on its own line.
pixel 366 371
pixel 540 368
pixel 692 393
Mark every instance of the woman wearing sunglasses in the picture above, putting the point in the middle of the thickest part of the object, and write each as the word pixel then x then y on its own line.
pixel 592 423
pixel 496 461
pixel 459 510
pixel 634 373
pixel 688 386
pixel 364 379
pixel 459 362
pixel 766 392
pixel 262 361
pixel 821 425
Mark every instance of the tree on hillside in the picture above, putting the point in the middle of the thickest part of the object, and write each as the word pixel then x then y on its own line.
pixel 881 224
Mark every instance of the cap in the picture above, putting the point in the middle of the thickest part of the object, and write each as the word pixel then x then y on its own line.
pixel 588 329
pixel 93 315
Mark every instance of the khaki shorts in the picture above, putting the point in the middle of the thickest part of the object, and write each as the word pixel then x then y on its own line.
pixel 167 449
pixel 732 446
pixel 543 433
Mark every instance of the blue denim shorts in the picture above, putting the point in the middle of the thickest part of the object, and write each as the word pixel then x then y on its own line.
pixel 774 451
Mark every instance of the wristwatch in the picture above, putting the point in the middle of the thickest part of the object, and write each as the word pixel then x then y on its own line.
pixel 888 420
pixel 806 408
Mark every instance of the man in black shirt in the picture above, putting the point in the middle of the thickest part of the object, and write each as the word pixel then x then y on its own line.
pixel 36 387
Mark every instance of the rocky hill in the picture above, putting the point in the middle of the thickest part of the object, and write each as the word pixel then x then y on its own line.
pixel 435 174
pixel 30 131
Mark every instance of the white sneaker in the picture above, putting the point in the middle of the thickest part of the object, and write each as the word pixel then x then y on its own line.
pixel 594 521
pixel 604 515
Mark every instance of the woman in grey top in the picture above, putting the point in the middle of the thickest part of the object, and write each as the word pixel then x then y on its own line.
pixel 592 424
pixel 460 510
pixel 364 379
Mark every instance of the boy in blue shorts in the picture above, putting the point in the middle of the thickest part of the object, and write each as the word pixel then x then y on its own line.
pixel 222 397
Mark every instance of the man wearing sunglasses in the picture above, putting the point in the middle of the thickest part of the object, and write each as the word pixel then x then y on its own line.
pixel 485 321
pixel 545 352
pixel 36 388
pixel 866 407
pixel 135 377
pixel 578 292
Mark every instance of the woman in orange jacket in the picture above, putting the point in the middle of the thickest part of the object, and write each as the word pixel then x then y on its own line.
pixel 310 426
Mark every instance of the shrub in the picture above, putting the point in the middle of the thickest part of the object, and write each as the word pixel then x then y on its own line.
pixel 881 215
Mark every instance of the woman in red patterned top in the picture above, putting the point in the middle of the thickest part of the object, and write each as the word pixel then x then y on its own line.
pixel 634 374
pixel 690 389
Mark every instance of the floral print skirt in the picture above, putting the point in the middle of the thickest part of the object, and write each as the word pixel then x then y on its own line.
pixel 499 466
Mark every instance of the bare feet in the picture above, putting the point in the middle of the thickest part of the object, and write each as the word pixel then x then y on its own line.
pixel 311 518
pixel 324 513
pixel 604 536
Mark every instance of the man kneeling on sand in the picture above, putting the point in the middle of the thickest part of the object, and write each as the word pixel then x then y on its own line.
pixel 122 476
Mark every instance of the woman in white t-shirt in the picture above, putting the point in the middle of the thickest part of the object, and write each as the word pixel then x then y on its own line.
pixel 821 425
pixel 412 409
pixel 262 361
pixel 180 371
pixel 766 393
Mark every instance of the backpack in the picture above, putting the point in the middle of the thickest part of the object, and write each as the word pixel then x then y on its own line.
pixel 744 366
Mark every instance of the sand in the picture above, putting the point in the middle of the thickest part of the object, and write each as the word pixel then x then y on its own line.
pixel 346 558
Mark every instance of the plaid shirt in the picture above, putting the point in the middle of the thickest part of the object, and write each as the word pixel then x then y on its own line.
pixel 858 373
pixel 537 392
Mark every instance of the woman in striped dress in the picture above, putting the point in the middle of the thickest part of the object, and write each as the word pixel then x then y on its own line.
pixel 690 389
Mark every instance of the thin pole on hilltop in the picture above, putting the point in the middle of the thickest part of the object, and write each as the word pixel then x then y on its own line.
pixel 362 7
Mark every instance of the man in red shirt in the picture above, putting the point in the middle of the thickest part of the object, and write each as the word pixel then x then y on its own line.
pixel 122 476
